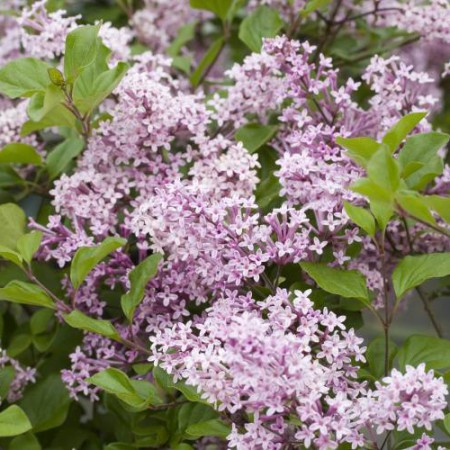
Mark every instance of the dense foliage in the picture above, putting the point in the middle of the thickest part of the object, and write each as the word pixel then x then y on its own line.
pixel 213 216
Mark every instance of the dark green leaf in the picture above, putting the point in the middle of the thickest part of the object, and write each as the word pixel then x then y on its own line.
pixel 7 375
pixel 19 343
pixel 26 441
pixel 40 320
pixel 46 403
pixel 213 427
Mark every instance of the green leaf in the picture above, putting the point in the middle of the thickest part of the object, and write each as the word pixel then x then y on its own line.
pixel 8 178
pixel 152 435
pixel 382 212
pixel 372 190
pixel 18 153
pixel 7 375
pixel 447 423
pixel 46 403
pixel 383 169
pixel 139 278
pixel 77 319
pixel 11 255
pixel 412 271
pixel 440 205
pixel 375 355
pixel 46 109
pixel 253 136
pixel 28 244
pixel 313 5
pixel 59 158
pixel 24 77
pixel 88 96
pixel 394 137
pixel 425 174
pixel 219 7
pixel 26 293
pixel 137 394
pixel 120 446
pixel 413 204
pixel 40 320
pixel 208 60
pixel 13 421
pixel 361 217
pixel 213 427
pixel 26 441
pixel 359 149
pixel 19 343
pixel 193 413
pixel 185 34
pixel 264 22
pixel 345 283
pixel 82 46
pixel 86 258
pixel 165 381
pixel 417 349
pixel 183 63
pixel 420 148
pixel 56 77
pixel 12 224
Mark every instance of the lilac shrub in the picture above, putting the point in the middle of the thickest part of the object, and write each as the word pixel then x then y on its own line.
pixel 214 216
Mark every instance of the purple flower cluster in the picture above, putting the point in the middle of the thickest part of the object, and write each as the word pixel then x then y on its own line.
pixel 165 170
pixel 293 369
pixel 22 376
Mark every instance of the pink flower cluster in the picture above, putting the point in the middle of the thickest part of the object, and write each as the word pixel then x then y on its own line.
pixel 166 171
pixel 293 369
pixel 22 377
